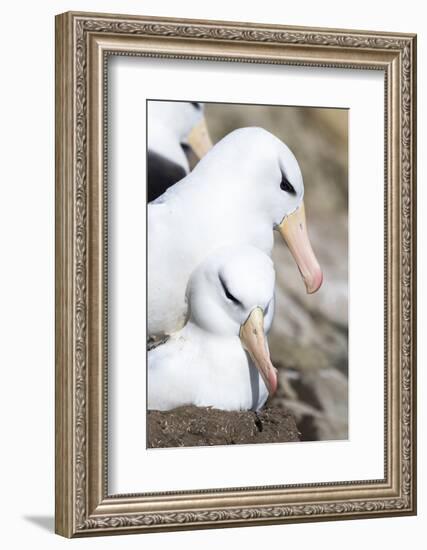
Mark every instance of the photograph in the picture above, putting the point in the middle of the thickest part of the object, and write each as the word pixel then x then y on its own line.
pixel 247 273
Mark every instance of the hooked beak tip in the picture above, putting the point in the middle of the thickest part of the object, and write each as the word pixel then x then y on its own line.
pixel 314 282
pixel 273 382
pixel 254 342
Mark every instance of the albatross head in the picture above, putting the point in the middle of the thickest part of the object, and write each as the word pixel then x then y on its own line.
pixel 231 294
pixel 185 120
pixel 266 179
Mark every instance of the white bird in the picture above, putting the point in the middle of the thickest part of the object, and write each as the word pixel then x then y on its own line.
pixel 173 126
pixel 247 185
pixel 231 305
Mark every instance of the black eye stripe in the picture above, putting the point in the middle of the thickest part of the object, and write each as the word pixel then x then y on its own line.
pixel 196 105
pixel 285 185
pixel 228 293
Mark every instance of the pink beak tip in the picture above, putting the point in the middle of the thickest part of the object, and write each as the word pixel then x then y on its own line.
pixel 315 282
pixel 273 382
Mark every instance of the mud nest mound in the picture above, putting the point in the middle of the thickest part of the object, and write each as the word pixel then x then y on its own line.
pixel 200 426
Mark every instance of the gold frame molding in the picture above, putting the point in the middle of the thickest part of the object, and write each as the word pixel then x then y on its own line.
pixel 83 43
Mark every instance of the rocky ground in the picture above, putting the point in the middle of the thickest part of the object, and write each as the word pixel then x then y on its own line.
pixel 199 426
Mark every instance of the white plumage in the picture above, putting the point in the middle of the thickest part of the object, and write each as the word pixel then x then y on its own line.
pixel 173 125
pixel 234 196
pixel 205 363
pixel 169 125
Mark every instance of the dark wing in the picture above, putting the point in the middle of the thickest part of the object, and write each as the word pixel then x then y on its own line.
pixel 162 173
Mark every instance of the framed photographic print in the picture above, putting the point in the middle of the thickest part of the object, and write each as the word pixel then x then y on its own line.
pixel 235 274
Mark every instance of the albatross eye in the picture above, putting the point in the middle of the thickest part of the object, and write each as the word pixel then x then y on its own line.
pixel 285 185
pixel 228 293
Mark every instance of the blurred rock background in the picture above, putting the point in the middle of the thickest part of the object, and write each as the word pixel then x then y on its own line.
pixel 309 338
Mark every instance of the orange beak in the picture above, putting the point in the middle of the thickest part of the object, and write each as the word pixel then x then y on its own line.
pixel 293 229
pixel 254 342
pixel 199 139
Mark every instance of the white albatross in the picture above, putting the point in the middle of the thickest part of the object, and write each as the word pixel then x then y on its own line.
pixel 231 305
pixel 247 185
pixel 172 126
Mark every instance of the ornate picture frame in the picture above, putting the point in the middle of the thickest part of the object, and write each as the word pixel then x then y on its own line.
pixel 83 44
